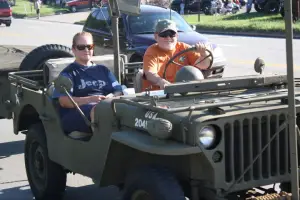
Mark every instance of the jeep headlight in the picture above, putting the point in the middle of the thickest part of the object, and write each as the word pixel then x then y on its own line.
pixel 207 136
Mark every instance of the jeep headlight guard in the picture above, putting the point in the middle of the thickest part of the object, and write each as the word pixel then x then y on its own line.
pixel 207 136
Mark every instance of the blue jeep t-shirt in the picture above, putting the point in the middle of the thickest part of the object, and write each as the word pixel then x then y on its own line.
pixel 89 80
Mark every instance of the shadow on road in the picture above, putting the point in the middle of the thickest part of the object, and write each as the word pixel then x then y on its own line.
pixel 11 148
pixel 90 192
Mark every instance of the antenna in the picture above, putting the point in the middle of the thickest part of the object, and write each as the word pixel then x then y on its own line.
pixel 170 8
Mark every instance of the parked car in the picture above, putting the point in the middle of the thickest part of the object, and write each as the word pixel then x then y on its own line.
pixel 5 13
pixel 136 33
pixel 75 5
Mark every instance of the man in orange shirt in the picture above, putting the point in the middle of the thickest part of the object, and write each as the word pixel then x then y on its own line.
pixel 158 54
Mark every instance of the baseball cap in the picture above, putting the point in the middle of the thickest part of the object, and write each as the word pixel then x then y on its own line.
pixel 164 25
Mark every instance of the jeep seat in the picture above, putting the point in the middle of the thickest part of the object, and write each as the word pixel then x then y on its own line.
pixel 55 66
pixel 138 81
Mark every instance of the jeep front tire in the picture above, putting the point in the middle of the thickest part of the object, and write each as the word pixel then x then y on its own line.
pixel 47 179
pixel 152 183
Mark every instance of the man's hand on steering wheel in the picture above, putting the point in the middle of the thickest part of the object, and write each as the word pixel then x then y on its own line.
pixel 202 47
pixel 162 83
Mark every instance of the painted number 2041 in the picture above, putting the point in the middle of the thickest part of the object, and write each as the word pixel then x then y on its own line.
pixel 142 123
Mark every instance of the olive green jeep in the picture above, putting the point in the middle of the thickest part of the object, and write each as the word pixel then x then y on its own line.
pixel 210 139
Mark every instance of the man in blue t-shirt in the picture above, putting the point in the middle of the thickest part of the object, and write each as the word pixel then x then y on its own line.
pixel 91 84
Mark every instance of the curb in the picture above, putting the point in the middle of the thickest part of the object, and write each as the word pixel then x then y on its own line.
pixel 247 34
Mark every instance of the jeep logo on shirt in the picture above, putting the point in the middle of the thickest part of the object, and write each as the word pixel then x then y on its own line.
pixel 99 84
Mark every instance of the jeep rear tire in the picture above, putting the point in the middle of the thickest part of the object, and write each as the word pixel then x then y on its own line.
pixel 47 179
pixel 36 59
pixel 152 183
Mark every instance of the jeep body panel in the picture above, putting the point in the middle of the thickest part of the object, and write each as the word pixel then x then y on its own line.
pixel 148 144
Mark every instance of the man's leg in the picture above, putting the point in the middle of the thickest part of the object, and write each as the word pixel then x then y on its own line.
pixel 38 13
pixel 249 6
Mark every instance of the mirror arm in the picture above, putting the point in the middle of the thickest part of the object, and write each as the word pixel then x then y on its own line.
pixel 77 107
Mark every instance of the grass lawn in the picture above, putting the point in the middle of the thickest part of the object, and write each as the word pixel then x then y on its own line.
pixel 25 8
pixel 257 22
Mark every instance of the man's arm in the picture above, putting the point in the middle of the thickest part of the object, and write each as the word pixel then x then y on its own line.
pixel 150 67
pixel 204 64
pixel 196 56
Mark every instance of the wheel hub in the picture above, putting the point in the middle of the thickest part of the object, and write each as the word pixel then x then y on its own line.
pixel 39 163
pixel 38 166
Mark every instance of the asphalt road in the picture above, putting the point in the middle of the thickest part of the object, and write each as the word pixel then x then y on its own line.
pixel 240 52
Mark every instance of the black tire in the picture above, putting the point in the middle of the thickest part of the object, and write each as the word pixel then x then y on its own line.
pixel 48 182
pixel 73 9
pixel 271 7
pixel 158 183
pixel 281 10
pixel 36 59
pixel 8 24
pixel 258 8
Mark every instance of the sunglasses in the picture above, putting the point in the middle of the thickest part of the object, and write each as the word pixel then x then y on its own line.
pixel 167 34
pixel 82 47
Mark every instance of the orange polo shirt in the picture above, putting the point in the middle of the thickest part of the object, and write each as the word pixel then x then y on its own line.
pixel 155 60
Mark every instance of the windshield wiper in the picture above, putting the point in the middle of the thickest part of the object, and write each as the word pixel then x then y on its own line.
pixel 145 32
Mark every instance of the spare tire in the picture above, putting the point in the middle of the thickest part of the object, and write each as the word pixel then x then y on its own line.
pixel 36 59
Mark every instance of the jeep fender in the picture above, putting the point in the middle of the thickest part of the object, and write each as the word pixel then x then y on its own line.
pixel 24 117
pixel 149 144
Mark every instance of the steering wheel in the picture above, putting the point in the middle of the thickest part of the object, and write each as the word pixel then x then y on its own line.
pixel 184 51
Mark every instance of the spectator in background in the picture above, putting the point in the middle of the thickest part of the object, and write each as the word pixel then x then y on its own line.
pixel 249 6
pixel 182 7
pixel 37 7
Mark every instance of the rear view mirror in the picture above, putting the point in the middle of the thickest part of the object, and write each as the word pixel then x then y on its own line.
pixel 193 27
pixel 63 84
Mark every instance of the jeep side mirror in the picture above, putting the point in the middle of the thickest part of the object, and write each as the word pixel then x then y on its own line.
pixel 64 85
pixel 259 65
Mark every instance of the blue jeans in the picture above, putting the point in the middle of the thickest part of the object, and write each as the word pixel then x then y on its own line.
pixel 249 5
pixel 73 121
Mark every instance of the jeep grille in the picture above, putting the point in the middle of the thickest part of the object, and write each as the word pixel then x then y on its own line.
pixel 244 139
